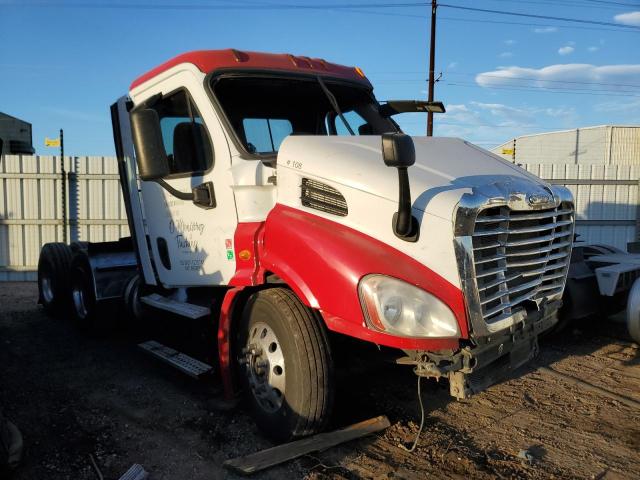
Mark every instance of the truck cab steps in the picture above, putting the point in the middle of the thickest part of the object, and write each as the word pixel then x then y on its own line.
pixel 183 362
pixel 184 309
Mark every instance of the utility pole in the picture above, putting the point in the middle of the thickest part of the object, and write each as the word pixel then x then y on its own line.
pixel 63 188
pixel 432 61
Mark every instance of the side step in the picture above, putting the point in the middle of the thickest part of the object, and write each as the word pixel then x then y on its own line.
pixel 180 308
pixel 183 362
pixel 136 472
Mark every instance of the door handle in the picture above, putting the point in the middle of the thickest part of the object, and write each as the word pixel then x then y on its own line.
pixel 204 196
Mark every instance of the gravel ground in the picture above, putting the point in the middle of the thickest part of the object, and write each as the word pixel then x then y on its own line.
pixel 74 396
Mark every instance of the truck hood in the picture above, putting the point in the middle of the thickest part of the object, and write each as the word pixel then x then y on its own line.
pixel 443 165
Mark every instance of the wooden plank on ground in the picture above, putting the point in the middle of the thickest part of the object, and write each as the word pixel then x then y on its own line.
pixel 273 456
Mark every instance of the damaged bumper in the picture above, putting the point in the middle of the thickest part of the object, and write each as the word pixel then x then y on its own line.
pixel 476 367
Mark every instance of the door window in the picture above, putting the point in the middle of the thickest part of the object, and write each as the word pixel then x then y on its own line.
pixel 184 134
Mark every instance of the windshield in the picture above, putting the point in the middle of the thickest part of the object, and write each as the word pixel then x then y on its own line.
pixel 263 111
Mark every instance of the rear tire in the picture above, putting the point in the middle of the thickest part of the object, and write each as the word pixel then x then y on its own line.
pixel 285 365
pixel 83 298
pixel 53 277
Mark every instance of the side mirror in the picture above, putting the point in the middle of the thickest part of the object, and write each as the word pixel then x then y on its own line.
pixel 398 151
pixel 151 156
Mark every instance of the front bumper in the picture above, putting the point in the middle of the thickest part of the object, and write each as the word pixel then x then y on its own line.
pixel 476 367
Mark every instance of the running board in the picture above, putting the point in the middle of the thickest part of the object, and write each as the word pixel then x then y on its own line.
pixel 184 309
pixel 183 362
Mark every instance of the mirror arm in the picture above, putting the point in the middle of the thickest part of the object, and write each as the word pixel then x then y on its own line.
pixel 173 191
pixel 403 221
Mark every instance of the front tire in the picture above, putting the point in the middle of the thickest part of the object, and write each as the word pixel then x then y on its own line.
pixel 285 365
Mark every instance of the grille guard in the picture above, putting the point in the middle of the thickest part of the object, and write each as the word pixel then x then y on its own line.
pixel 518 195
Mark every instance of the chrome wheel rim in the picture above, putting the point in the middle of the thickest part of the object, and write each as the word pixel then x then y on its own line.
pixel 46 288
pixel 79 303
pixel 263 362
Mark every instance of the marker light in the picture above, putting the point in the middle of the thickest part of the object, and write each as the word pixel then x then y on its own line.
pixel 359 71
pixel 398 308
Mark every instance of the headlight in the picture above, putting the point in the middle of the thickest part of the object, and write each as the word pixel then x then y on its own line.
pixel 398 308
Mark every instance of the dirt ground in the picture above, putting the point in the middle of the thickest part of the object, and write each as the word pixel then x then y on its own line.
pixel 73 395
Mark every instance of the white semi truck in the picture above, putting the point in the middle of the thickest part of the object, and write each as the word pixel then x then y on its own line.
pixel 275 196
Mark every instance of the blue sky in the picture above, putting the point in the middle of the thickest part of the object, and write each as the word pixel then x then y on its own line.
pixel 62 63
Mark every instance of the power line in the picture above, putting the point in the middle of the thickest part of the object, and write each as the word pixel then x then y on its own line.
pixel 547 90
pixel 516 78
pixel 576 27
pixel 543 17
pixel 571 3
pixel 636 5
pixel 201 6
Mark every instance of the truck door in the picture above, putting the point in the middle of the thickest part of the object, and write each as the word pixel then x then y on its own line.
pixel 191 239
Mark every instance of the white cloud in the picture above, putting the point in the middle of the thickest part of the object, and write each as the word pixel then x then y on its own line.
pixel 566 50
pixel 630 18
pixel 452 65
pixel 509 42
pixel 493 123
pixel 545 30
pixel 549 75
pixel 593 49
pixel 506 55
pixel 617 106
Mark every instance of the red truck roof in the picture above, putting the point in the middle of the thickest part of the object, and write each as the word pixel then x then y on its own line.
pixel 210 60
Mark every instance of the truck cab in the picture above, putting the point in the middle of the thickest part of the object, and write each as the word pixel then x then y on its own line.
pixel 281 188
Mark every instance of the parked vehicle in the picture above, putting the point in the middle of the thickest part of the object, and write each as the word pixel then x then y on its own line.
pixel 602 281
pixel 260 192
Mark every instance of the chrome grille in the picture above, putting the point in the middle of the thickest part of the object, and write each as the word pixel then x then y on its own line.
pixel 520 256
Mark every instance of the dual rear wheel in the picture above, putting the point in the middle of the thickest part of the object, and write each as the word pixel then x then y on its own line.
pixel 65 284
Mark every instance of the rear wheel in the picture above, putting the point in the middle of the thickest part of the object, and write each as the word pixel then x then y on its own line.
pixel 83 297
pixel 53 277
pixel 285 362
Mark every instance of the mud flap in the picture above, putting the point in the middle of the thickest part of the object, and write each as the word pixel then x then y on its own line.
pixel 464 384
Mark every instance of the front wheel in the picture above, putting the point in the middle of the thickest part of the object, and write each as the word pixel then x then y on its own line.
pixel 285 365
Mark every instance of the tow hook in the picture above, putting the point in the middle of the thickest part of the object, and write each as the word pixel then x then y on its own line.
pixel 428 369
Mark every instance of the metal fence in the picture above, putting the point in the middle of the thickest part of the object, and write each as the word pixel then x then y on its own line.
pixel 606 198
pixel 32 211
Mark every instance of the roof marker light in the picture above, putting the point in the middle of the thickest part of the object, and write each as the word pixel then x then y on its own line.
pixel 308 60
pixel 239 56
pixel 359 72
pixel 323 62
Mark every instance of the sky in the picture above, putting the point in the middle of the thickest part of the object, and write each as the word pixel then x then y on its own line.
pixel 64 62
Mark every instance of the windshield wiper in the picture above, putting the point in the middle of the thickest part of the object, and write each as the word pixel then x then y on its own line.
pixel 334 104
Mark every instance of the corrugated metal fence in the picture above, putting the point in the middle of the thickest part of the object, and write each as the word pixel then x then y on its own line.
pixel 31 208
pixel 606 199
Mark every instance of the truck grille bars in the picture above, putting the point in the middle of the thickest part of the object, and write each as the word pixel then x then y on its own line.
pixel 513 242
pixel 520 256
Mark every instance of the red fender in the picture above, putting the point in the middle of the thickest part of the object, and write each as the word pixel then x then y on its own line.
pixel 323 262
pixel 224 340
